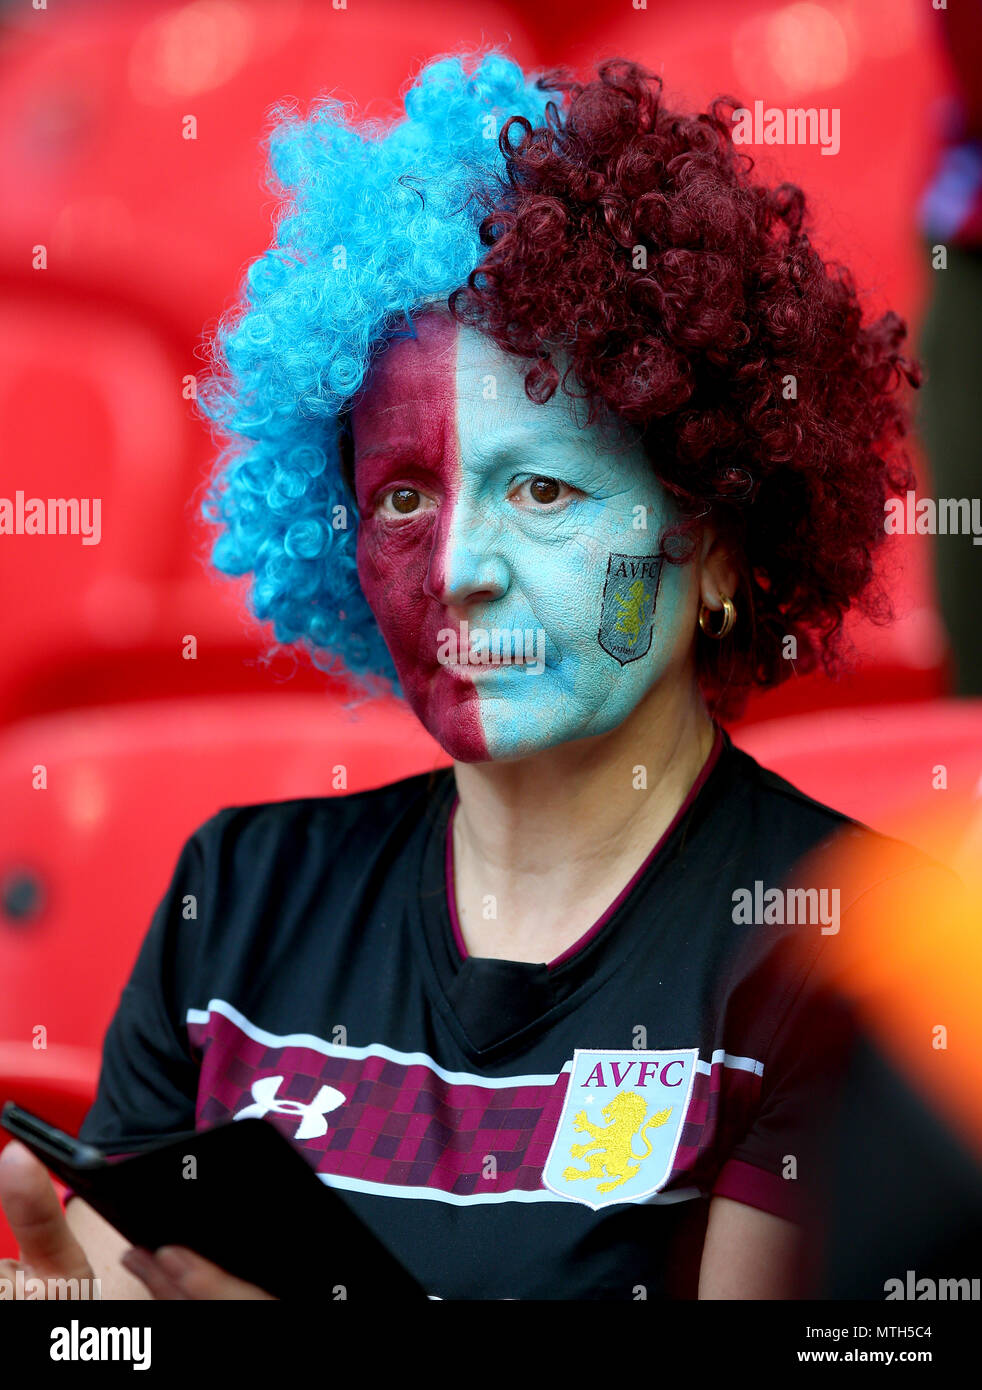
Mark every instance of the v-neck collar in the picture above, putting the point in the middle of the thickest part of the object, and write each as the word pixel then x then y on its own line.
pixel 491 1005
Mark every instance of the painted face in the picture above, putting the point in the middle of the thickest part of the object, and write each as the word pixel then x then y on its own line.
pixel 510 556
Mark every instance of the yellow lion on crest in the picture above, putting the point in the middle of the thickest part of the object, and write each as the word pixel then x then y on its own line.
pixel 613 1143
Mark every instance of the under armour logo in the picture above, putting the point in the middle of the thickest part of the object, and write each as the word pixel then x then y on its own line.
pixel 312 1122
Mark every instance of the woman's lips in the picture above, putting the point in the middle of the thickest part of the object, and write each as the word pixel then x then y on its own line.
pixel 477 671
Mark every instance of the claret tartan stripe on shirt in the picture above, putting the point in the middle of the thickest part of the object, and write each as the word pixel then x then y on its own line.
pixel 405 1122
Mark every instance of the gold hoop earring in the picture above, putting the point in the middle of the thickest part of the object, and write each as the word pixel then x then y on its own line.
pixel 729 618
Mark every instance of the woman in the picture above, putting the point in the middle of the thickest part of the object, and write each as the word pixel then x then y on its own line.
pixel 560 423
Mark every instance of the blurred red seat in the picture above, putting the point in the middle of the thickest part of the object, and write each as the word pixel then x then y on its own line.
pixel 73 430
pixel 880 764
pixel 84 862
pixel 83 623
pixel 103 169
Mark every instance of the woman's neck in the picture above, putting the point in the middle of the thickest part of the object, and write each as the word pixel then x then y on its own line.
pixel 543 845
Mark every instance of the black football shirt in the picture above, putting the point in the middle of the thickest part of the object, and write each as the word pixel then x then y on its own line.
pixel 509 1130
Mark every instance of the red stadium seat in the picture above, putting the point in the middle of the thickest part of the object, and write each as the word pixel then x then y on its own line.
pixel 72 431
pixel 883 764
pixel 93 115
pixel 84 861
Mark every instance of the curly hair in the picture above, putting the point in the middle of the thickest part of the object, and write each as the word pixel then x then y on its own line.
pixel 625 238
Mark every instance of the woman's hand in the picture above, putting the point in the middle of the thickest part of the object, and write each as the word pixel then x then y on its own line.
pixel 49 1249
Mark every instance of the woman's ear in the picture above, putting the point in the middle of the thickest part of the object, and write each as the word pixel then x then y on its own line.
pixel 719 576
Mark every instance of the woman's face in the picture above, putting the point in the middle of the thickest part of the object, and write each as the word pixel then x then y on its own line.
pixel 510 557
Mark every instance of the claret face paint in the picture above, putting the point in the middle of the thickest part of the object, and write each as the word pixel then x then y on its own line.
pixel 500 549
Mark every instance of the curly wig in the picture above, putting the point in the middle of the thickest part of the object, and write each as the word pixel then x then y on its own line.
pixel 624 239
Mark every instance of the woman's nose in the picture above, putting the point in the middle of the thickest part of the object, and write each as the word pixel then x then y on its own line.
pixel 467 563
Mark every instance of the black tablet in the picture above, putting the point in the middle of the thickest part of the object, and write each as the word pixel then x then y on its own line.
pixel 239 1194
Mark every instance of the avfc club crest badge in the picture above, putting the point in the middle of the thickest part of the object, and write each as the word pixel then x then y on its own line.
pixel 621 1124
pixel 628 607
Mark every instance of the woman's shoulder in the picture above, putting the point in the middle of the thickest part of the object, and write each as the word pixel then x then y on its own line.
pixel 820 838
pixel 326 821
pixel 778 797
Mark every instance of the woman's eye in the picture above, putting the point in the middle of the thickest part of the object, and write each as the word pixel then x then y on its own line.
pixel 403 500
pixel 544 491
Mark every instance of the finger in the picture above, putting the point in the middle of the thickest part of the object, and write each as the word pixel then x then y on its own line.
pixel 141 1263
pixel 36 1218
pixel 201 1279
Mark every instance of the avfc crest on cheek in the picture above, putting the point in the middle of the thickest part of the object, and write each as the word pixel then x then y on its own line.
pixel 621 1124
pixel 628 607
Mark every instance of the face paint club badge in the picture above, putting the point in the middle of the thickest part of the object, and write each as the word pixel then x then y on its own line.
pixel 621 1123
pixel 628 606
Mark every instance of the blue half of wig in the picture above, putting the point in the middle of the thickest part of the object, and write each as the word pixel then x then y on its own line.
pixel 374 221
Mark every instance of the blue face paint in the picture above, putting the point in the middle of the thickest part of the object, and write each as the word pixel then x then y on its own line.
pixel 583 569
